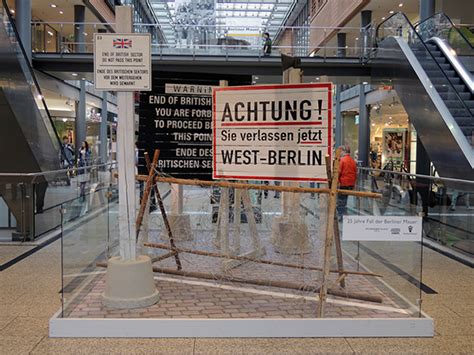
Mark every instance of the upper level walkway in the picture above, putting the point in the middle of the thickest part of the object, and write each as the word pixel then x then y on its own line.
pixel 212 64
pixel 217 49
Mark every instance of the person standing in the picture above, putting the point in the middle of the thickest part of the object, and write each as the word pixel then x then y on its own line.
pixel 267 44
pixel 83 162
pixel 347 178
pixel 68 159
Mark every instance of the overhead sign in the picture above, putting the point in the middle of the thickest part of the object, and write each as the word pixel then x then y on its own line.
pixel 176 119
pixel 122 62
pixel 382 228
pixel 272 132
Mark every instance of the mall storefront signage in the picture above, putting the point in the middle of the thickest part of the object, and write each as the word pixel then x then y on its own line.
pixel 272 132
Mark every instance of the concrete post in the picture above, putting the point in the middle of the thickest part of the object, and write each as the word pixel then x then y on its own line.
pixel 289 231
pixel 129 279
pixel 427 9
pixel 103 130
pixel 79 37
pixel 364 128
pixel 80 122
pixel 126 154
pixel 23 24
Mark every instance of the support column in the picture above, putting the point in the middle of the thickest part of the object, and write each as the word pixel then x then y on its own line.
pixel 23 24
pixel 427 9
pixel 79 37
pixel 339 123
pixel 103 130
pixel 289 231
pixel 341 44
pixel 365 21
pixel 80 122
pixel 364 128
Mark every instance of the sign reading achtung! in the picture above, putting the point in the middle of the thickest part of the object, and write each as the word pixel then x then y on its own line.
pixel 272 132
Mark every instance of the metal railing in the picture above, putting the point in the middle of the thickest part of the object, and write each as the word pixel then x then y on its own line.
pixel 215 39
pixel 35 198
pixel 446 204
pixel 440 25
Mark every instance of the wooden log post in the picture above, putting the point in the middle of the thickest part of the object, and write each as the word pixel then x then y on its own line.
pixel 246 186
pixel 254 259
pixel 163 213
pixel 329 236
pixel 263 282
pixel 337 236
pixel 146 193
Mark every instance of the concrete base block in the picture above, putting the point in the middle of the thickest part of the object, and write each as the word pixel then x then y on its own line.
pixel 130 283
pixel 180 226
pixel 290 236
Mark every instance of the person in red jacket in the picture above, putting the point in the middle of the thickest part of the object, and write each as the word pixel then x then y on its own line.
pixel 347 177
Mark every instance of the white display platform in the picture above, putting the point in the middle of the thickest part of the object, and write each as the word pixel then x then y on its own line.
pixel 238 328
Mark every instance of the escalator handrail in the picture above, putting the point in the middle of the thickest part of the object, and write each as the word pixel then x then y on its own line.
pixel 453 26
pixel 415 33
pixel 33 76
pixel 458 66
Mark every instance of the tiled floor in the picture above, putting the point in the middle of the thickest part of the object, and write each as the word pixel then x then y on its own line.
pixel 29 296
pixel 193 300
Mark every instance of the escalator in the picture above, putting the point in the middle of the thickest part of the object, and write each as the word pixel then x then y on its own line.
pixel 435 89
pixel 28 140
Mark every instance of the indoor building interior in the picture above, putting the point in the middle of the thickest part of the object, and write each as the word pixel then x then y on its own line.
pixel 190 204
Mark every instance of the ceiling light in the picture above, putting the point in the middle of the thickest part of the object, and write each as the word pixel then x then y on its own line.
pixel 64 120
pixel 373 124
pixel 383 18
pixel 386 124
pixel 54 6
pixel 400 5
pixel 50 33
pixel 85 33
pixel 74 74
pixel 391 12
pixel 364 83
pixel 317 78
pixel 357 38
pixel 12 11
pixel 61 12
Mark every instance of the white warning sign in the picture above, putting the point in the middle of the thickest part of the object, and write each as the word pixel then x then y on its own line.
pixel 272 132
pixel 122 62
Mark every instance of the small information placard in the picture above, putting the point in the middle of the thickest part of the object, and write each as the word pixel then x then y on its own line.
pixel 382 228
pixel 122 62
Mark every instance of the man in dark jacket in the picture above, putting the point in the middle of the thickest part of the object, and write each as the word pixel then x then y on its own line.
pixel 267 44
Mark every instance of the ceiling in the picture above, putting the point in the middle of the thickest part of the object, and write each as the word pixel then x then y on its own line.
pixel 266 14
pixel 61 17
